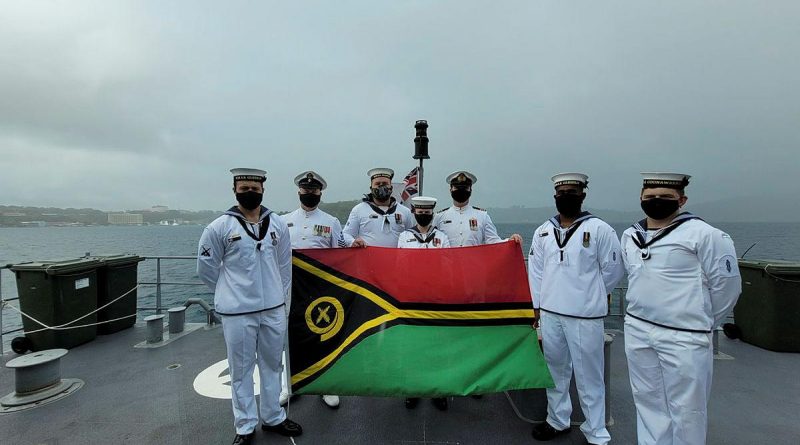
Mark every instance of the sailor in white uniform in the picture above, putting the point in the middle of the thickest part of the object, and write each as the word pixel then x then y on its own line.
pixel 311 228
pixel 423 236
pixel 245 257
pixel 466 225
pixel 683 279
pixel 379 219
pixel 574 263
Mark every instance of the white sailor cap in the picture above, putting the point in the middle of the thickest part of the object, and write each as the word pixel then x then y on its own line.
pixel 578 179
pixel 423 202
pixel 310 180
pixel 461 177
pixel 667 180
pixel 380 172
pixel 248 174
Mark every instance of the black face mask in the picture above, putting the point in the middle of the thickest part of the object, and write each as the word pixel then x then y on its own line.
pixel 249 200
pixel 461 194
pixel 423 220
pixel 569 205
pixel 382 193
pixel 310 200
pixel 659 208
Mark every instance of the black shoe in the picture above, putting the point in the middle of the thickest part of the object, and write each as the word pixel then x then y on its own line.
pixel 412 402
pixel 477 396
pixel 544 431
pixel 243 439
pixel 440 403
pixel 286 428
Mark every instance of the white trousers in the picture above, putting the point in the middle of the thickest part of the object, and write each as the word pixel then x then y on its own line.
pixel 670 374
pixel 575 345
pixel 250 339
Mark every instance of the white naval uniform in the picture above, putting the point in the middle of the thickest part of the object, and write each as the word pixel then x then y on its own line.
pixel 251 280
pixel 467 226
pixel 569 286
pixel 376 226
pixel 313 229
pixel 680 288
pixel 413 239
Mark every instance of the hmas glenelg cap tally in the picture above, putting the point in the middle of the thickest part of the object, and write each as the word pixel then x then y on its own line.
pixel 423 202
pixel 666 180
pixel 461 177
pixel 570 179
pixel 380 172
pixel 311 180
pixel 249 174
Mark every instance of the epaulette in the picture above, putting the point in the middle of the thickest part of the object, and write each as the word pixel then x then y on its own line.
pixel 443 210
pixel 478 208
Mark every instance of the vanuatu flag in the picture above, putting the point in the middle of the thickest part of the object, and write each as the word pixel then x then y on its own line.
pixel 413 322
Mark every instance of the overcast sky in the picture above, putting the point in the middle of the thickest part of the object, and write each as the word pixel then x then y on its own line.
pixel 124 105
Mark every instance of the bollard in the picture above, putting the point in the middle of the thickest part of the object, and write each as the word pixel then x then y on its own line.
pixel 155 328
pixel 177 319
pixel 37 380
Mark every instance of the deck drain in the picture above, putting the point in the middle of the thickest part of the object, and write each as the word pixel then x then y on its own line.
pixel 173 366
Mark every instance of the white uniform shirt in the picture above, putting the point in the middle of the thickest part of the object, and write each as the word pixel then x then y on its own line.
pixel 313 230
pixel 690 280
pixel 467 226
pixel 246 275
pixel 413 239
pixel 375 226
pixel 575 279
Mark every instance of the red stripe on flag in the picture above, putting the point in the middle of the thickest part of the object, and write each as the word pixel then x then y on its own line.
pixel 493 273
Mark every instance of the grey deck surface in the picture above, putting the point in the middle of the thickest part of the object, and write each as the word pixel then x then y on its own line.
pixel 130 397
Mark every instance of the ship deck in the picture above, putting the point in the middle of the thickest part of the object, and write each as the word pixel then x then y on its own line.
pixel 131 396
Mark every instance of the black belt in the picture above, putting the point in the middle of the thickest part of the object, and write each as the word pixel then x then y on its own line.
pixel 571 316
pixel 251 312
pixel 696 331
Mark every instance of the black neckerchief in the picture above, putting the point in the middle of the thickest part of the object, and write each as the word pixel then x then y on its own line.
pixel 263 221
pixel 392 205
pixel 418 235
pixel 641 232
pixel 556 222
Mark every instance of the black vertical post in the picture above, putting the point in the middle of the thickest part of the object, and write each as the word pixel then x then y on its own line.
pixel 421 148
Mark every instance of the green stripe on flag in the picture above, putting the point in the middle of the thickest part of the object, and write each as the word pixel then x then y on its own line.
pixel 437 361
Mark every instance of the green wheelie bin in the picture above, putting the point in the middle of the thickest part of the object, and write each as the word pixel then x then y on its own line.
pixel 116 280
pixel 768 311
pixel 58 294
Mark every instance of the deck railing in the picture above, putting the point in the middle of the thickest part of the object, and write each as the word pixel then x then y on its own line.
pixel 617 311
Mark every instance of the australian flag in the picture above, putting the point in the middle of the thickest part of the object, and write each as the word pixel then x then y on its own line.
pixel 410 188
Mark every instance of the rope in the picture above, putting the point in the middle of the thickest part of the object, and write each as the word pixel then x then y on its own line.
pixel 770 274
pixel 64 326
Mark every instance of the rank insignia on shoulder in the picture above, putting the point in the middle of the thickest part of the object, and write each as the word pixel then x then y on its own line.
pixel 586 236
pixel 543 234
pixel 478 208
pixel 444 209
pixel 205 251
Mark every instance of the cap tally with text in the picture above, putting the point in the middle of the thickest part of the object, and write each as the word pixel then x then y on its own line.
pixel 667 180
pixel 249 174
pixel 310 180
pixel 380 173
pixel 461 177
pixel 578 179
pixel 423 202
